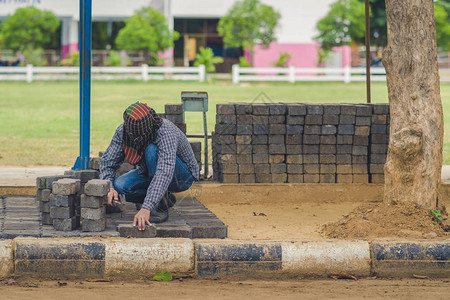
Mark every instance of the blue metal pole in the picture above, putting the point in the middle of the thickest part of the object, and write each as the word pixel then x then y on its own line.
pixel 85 39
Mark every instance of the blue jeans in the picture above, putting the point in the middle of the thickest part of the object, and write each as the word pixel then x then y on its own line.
pixel 134 186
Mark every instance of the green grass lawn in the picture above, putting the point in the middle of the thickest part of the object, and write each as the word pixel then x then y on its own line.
pixel 40 126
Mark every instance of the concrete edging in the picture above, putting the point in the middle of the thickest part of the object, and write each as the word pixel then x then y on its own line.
pixel 131 258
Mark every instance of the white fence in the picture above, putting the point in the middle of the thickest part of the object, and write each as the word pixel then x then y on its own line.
pixel 144 72
pixel 292 74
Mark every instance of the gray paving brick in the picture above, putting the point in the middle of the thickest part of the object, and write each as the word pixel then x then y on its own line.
pixel 244 108
pixel 226 158
pixel 244 158
pixel 97 187
pixel 260 109
pixel 380 109
pixel 314 109
pixel 328 139
pixel 329 129
pixel 344 169
pixel 295 178
pixel 66 186
pixel 276 139
pixel 173 109
pixel 346 129
pixel 279 178
pixel 360 140
pixel 57 212
pixel 344 149
pixel 227 148
pixel 360 150
pixel 327 178
pixel 230 168
pixel 93 213
pixel 363 121
pixel 209 230
pixel 278 168
pixel 294 149
pixel 294 168
pixel 378 148
pixel 65 224
pixel 379 119
pixel 173 231
pixel 294 129
pixel 230 178
pixel 378 129
pixel 277 109
pixel 94 163
pixel 377 168
pixel 244 149
pixel 226 119
pixel 362 130
pixel 313 129
pixel 126 230
pixel 311 158
pixel 244 120
pixel 246 168
pixel 360 168
pixel 260 158
pixel 45 219
pixel 311 139
pixel 377 158
pixel 377 178
pixel 260 120
pixel 311 178
pixel 225 129
pixel 331 109
pixel 294 159
pixel 347 119
pixel 277 119
pixel 311 169
pixel 296 109
pixel 43 195
pixel 327 168
pixel 295 120
pixel 348 109
pixel 360 178
pixel 261 149
pixel 247 178
pixel 244 129
pixel 93 225
pixel 294 139
pixel 344 139
pixel 330 119
pixel 379 138
pixel 364 110
pixel 260 139
pixel 176 119
pixel 262 168
pixel 360 159
pixel 83 175
pixel 61 200
pixel 344 178
pixel 327 149
pixel 44 207
pixel 277 158
pixel 313 120
pixel 263 178
pixel 46 182
pixel 225 109
pixel 277 148
pixel 327 158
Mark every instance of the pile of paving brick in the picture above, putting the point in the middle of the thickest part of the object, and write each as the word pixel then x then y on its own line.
pixel 74 200
pixel 300 143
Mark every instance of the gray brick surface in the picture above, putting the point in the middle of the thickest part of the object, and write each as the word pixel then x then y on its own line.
pixel 363 121
pixel 295 120
pixel 294 129
pixel 230 178
pixel 46 182
pixel 244 149
pixel 243 108
pixel 314 109
pixel 296 109
pixel 329 129
pixel 276 158
pixel 311 178
pixel 311 139
pixel 246 168
pixel 225 109
pixel 244 120
pixel 225 129
pixel 278 168
pixel 83 175
pixel 260 149
pixel 379 138
pixel 362 130
pixel 276 139
pixel 344 178
pixel 65 224
pixel 97 187
pixel 360 159
pixel 313 120
pixel 244 129
pixel 60 200
pixel 66 186
pixel 347 119
pixel 127 230
pixel 43 195
pixel 230 168
pixel 260 109
pixel 57 212
pixel 260 120
pixel 360 140
pixel 294 159
pixel 44 207
pixel 176 119
pixel 331 109
pixel 262 168
pixel 277 148
pixel 346 129
pixel 344 139
pixel 260 158
pixel 94 163
pixel 327 149
pixel 348 109
pixel 279 178
pixel 360 178
pixel 328 139
pixel 244 158
pixel 311 169
pixel 277 119
pixel 330 119
pixel 327 178
pixel 247 178
pixel 295 178
pixel 380 109
pixel 93 213
pixel 360 150
pixel 263 178
pixel 93 225
pixel 277 109
pixel 226 119
pixel 294 149
pixel 364 110
pixel 261 129
pixel 294 168
pixel 327 158
pixel 343 158
pixel 173 109
pixel 294 139
pixel 313 129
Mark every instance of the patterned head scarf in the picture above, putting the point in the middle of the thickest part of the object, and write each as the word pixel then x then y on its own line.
pixel 140 124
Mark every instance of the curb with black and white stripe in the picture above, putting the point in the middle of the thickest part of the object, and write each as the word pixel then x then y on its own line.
pixel 128 258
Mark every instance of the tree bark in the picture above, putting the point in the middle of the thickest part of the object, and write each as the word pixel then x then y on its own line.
pixel 414 160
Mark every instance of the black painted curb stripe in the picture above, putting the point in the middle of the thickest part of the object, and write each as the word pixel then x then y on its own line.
pixel 239 252
pixel 410 251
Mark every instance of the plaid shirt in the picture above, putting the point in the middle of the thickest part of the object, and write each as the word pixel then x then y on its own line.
pixel 171 142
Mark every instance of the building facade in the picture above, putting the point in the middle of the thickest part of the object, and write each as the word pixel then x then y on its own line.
pixel 196 21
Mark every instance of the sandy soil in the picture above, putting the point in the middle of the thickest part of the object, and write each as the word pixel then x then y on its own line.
pixel 221 289
pixel 283 212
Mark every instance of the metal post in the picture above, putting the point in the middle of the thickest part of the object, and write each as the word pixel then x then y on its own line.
pixel 368 50
pixel 85 38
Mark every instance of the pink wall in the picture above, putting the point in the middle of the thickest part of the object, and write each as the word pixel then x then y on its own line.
pixel 69 48
pixel 303 55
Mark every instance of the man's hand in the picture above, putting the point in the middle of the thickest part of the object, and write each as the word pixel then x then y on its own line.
pixel 112 196
pixel 141 219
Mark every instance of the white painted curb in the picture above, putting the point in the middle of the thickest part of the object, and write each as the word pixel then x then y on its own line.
pixel 6 258
pixel 323 258
pixel 145 257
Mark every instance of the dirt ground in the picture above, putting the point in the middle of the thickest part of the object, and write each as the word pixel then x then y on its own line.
pixel 230 289
pixel 283 212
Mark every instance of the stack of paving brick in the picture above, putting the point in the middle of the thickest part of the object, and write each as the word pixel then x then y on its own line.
pixel 93 205
pixel 295 143
pixel 174 113
pixel 197 149
pixel 62 204
pixel 379 141
pixel 44 189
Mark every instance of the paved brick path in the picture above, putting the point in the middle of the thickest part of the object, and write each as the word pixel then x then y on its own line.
pixel 19 216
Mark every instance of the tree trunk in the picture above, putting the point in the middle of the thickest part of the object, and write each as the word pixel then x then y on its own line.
pixel 414 161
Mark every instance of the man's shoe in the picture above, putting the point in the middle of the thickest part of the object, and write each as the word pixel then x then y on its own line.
pixel 161 212
pixel 172 199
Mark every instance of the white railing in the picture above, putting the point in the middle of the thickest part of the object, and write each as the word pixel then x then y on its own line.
pixel 144 72
pixel 293 74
